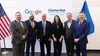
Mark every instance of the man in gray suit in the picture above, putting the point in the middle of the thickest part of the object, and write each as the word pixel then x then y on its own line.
pixel 18 29
pixel 68 34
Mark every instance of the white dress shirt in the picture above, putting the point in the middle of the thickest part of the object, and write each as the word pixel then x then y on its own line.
pixel 69 23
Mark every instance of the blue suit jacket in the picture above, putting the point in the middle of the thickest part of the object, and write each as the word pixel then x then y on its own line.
pixel 81 32
pixel 32 32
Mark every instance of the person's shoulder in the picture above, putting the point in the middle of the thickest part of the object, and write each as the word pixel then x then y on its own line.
pixel 48 21
pixel 23 21
pixel 61 24
pixel 26 20
pixel 65 22
pixel 13 21
pixel 87 22
pixel 39 21
pixel 35 21
pixel 74 20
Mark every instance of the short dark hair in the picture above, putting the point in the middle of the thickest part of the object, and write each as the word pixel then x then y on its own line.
pixel 82 12
pixel 17 12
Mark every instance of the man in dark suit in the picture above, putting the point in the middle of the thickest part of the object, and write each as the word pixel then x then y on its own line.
pixel 44 35
pixel 31 36
pixel 80 32
pixel 68 34
pixel 18 29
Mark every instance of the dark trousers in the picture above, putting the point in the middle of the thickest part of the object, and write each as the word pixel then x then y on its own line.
pixel 69 47
pixel 81 48
pixel 48 47
pixel 57 48
pixel 18 49
pixel 0 52
pixel 32 45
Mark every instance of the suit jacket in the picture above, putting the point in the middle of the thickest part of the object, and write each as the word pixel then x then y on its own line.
pixel 81 32
pixel 68 32
pixel 18 31
pixel 57 31
pixel 47 31
pixel 32 32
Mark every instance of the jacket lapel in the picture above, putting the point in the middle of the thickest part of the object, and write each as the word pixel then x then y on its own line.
pixel 66 24
pixel 41 25
pixel 72 24
pixel 29 23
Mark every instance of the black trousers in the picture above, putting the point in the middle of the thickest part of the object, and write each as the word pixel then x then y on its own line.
pixel 81 48
pixel 18 49
pixel 0 52
pixel 48 47
pixel 69 47
pixel 57 48
pixel 32 45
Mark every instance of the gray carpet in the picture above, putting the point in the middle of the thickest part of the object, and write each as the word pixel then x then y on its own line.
pixel 38 54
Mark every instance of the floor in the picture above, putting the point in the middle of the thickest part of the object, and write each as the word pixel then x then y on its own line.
pixel 38 54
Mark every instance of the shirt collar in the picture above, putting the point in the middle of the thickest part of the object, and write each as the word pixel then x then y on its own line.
pixel 70 21
pixel 31 21
pixel 43 21
pixel 81 21
pixel 17 20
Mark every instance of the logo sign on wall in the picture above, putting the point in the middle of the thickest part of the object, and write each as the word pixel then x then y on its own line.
pixel 50 11
pixel 49 7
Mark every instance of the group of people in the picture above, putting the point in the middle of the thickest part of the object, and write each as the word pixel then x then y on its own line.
pixel 73 32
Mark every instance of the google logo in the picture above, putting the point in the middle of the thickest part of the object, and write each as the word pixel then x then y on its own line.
pixel 36 12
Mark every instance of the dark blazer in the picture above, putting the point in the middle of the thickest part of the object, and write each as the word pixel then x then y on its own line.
pixel 32 32
pixel 17 31
pixel 47 31
pixel 68 32
pixel 81 32
pixel 57 32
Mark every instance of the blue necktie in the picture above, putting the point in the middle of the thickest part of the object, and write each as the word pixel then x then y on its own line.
pixel 43 27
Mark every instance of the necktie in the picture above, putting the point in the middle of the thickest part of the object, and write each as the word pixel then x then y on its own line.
pixel 43 27
pixel 32 24
pixel 79 24
pixel 21 24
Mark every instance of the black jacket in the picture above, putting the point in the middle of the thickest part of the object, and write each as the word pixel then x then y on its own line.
pixel 47 31
pixel 57 31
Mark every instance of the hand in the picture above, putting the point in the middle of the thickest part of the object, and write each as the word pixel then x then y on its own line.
pixel 76 40
pixel 39 40
pixel 55 40
pixel 52 35
pixel 23 37
pixel 60 38
pixel 49 39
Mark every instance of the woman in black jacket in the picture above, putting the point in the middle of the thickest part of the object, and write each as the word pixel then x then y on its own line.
pixel 57 34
